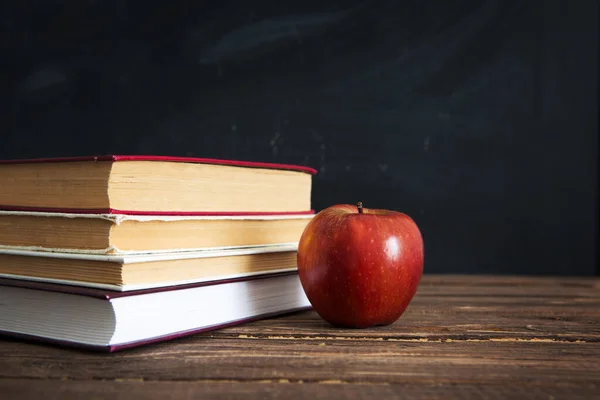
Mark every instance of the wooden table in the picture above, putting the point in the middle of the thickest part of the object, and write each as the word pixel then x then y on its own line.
pixel 462 337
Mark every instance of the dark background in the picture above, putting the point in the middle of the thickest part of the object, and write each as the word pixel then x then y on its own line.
pixel 477 118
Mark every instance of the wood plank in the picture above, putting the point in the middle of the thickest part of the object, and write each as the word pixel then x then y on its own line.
pixel 464 337
pixel 274 389
pixel 471 308
pixel 347 360
pixel 426 321
pixel 509 280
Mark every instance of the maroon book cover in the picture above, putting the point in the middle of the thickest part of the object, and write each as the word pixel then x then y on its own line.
pixel 107 295
pixel 194 160
pixel 115 211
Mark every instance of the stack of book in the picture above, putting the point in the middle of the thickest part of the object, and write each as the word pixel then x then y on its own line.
pixel 118 251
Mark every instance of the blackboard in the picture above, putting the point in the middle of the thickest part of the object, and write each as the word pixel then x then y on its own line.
pixel 477 118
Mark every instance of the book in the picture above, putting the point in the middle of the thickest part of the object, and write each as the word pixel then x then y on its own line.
pixel 129 234
pixel 129 272
pixel 113 321
pixel 154 185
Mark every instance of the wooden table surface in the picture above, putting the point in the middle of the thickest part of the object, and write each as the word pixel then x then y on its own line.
pixel 461 337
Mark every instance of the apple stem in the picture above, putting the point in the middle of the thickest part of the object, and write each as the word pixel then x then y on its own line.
pixel 360 207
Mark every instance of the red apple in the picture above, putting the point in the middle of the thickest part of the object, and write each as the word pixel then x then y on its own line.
pixel 360 267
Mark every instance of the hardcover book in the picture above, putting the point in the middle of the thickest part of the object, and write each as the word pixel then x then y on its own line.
pixel 112 321
pixel 154 185
pixel 130 234
pixel 129 272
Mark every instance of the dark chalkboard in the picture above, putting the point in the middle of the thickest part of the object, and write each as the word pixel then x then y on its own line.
pixel 477 118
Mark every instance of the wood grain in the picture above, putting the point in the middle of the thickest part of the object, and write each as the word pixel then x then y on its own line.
pixel 462 337
pixel 125 390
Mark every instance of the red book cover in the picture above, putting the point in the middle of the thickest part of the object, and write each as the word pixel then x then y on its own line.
pixel 195 160
pixel 114 211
